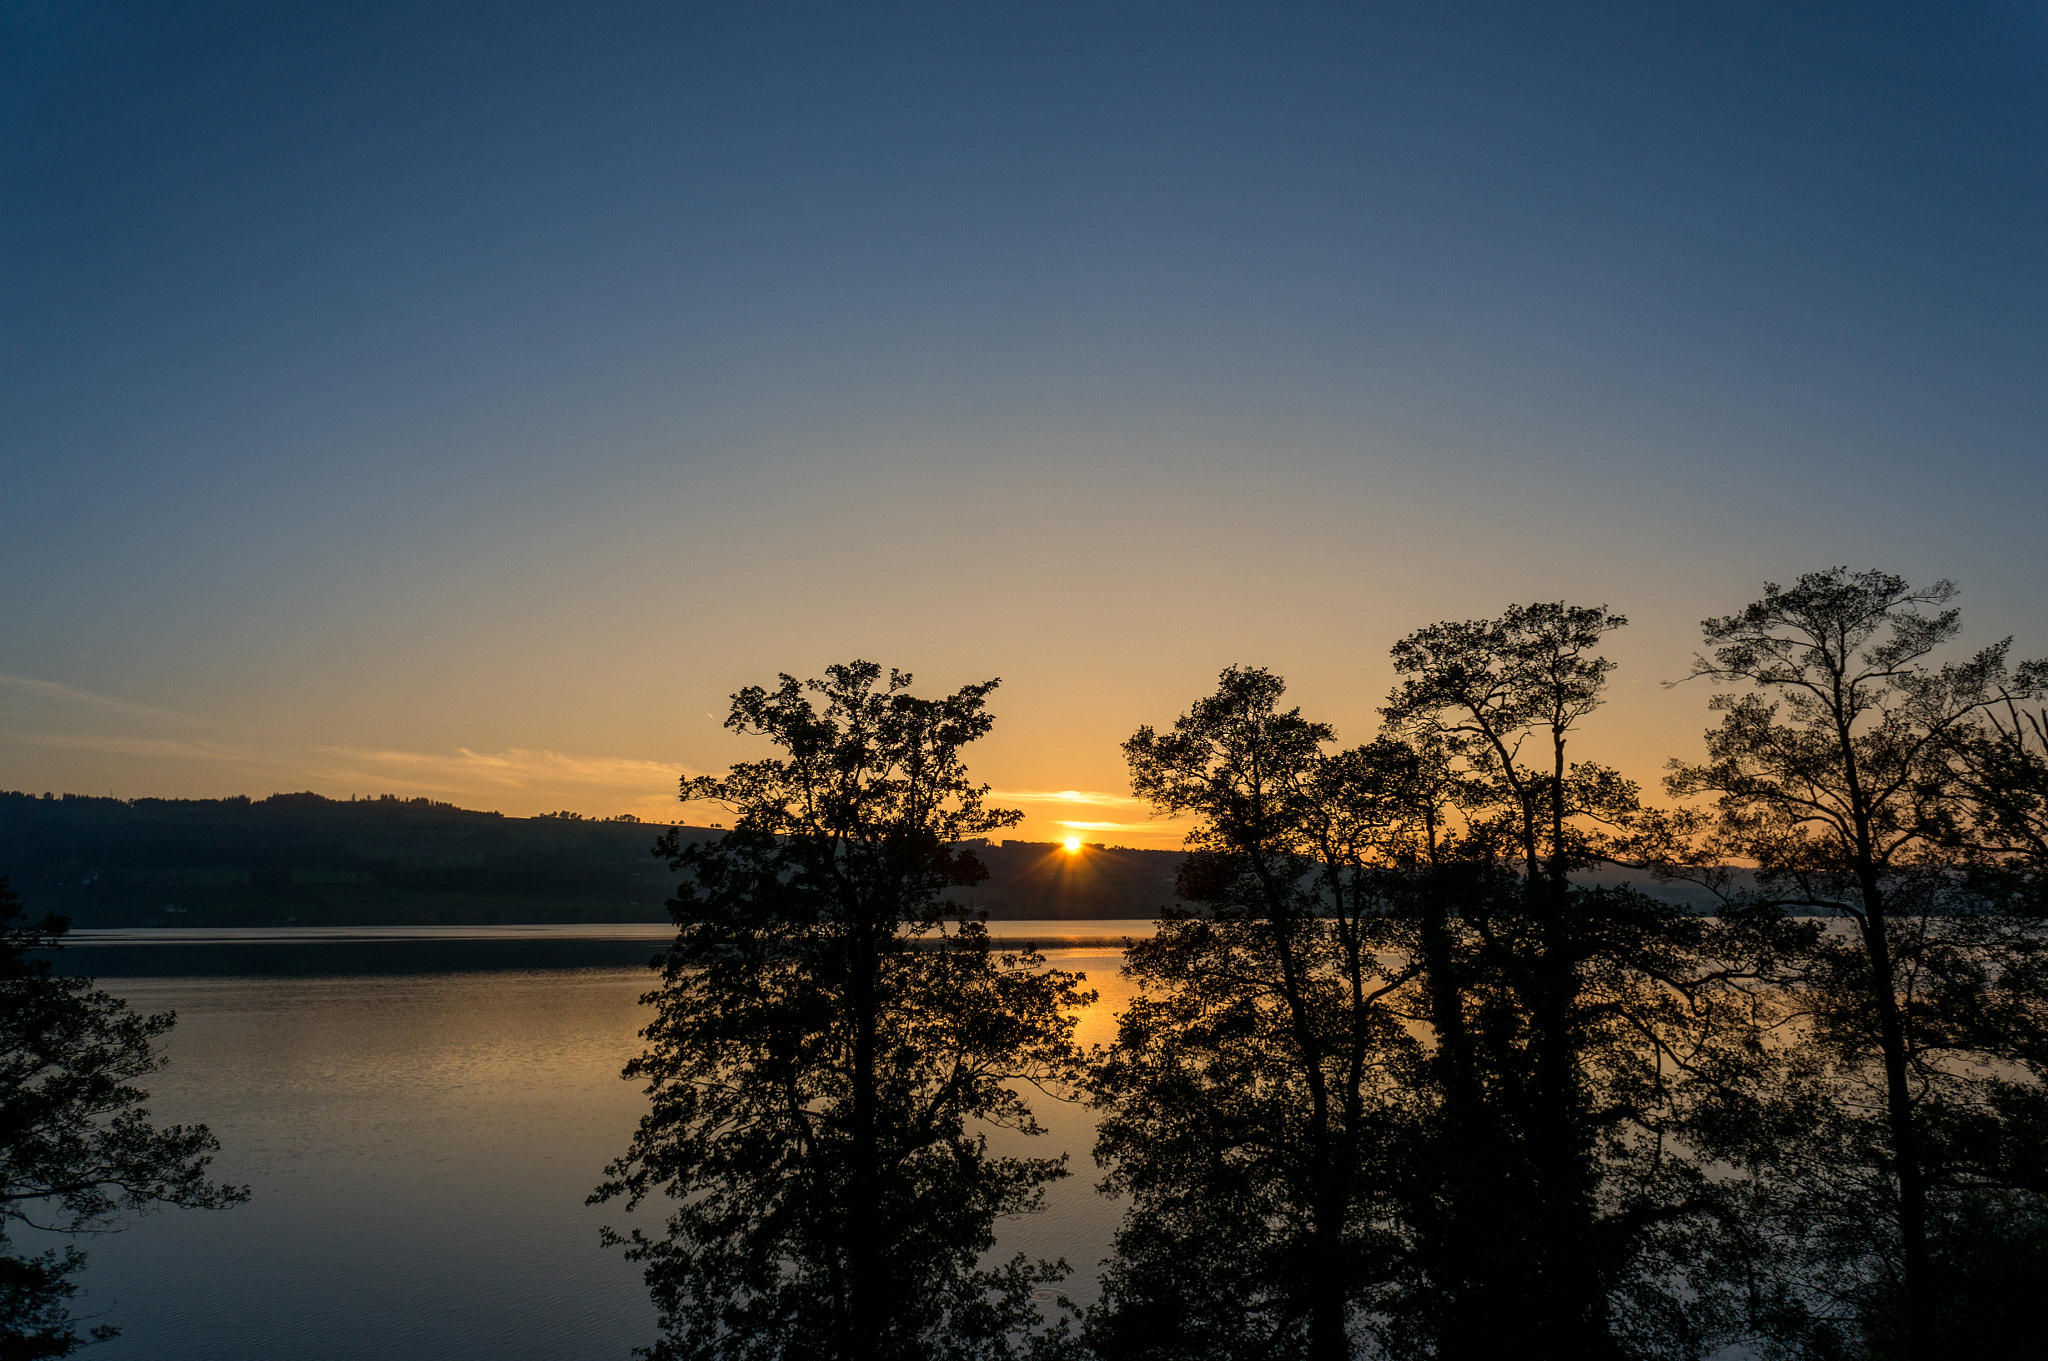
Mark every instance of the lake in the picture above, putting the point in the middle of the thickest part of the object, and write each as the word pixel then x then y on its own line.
pixel 419 1114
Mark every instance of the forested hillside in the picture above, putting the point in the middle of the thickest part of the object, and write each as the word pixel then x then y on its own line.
pixel 1042 879
pixel 305 860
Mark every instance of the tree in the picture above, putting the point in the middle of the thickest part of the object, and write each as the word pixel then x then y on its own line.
pixel 832 1040
pixel 1395 1074
pixel 76 1145
pixel 1552 1206
pixel 1248 1087
pixel 2001 766
pixel 1866 781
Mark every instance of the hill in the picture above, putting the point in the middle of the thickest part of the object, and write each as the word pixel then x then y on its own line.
pixel 301 859
pixel 1042 879
pixel 305 860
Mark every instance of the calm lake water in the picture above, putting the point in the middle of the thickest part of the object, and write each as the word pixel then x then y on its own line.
pixel 419 1116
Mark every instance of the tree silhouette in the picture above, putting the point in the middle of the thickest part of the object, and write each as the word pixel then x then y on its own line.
pixel 1395 1075
pixel 1249 1084
pixel 76 1145
pixel 1866 781
pixel 832 1040
pixel 1554 1208
pixel 2000 767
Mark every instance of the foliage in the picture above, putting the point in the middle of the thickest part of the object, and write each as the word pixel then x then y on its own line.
pixel 1246 1094
pixel 1482 691
pixel 1554 1204
pixel 1396 1076
pixel 833 1041
pixel 76 1146
pixel 2000 768
pixel 1868 783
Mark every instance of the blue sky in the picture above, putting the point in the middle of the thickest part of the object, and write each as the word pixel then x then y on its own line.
pixel 465 399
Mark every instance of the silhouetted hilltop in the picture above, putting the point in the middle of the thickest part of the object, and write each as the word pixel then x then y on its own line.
pixel 306 860
pixel 1041 879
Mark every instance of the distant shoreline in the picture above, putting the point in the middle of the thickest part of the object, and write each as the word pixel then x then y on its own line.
pixel 329 952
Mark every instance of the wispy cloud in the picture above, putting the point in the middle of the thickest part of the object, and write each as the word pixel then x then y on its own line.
pixel 1089 797
pixel 477 776
pixel 513 768
pixel 71 697
pixel 1097 812
pixel 1149 828
pixel 52 715
pixel 515 779
pixel 114 744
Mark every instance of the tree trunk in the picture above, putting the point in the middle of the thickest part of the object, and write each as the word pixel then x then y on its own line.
pixel 864 1247
pixel 1463 1260
pixel 1328 1207
pixel 1326 1335
pixel 1891 1039
pixel 1571 1301
pixel 1327 1340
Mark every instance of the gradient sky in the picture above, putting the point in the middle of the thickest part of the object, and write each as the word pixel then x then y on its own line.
pixel 464 400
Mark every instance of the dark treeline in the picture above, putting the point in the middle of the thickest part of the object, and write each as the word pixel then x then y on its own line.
pixel 1397 1079
pixel 1040 880
pixel 301 859
pixel 309 860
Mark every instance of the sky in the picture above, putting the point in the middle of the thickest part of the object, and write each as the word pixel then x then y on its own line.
pixel 465 400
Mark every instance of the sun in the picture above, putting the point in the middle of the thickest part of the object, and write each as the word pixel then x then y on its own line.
pixel 1073 845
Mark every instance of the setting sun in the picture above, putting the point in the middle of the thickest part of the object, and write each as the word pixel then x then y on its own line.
pixel 1073 845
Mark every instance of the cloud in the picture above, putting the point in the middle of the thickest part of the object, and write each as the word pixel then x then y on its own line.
pixel 217 757
pixel 1145 828
pixel 1070 796
pixel 513 768
pixel 108 744
pixel 1051 803
pixel 54 691
pixel 181 751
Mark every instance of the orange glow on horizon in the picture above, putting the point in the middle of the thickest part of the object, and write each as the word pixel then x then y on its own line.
pixel 1073 845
